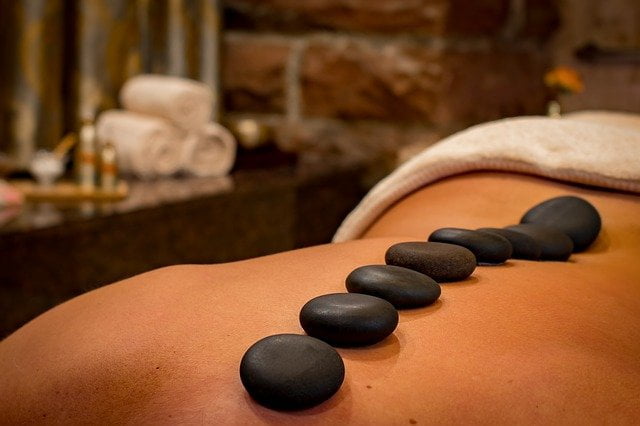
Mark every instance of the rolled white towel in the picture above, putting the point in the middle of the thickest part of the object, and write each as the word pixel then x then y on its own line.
pixel 187 103
pixel 146 146
pixel 211 151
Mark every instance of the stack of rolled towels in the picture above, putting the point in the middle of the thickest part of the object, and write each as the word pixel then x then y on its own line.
pixel 165 128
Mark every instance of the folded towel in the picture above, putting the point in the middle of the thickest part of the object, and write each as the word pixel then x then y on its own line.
pixel 575 151
pixel 621 119
pixel 186 103
pixel 146 146
pixel 211 151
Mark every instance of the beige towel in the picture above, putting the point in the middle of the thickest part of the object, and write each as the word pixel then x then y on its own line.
pixel 583 152
pixel 146 146
pixel 211 151
pixel 186 103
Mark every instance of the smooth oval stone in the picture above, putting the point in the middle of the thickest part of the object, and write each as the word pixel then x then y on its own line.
pixel 349 319
pixel 555 245
pixel 524 246
pixel 574 216
pixel 442 262
pixel 291 371
pixel 402 287
pixel 487 248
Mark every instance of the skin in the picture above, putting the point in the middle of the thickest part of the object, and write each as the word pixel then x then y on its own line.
pixel 525 342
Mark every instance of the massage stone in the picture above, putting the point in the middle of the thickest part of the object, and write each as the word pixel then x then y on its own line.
pixel 574 216
pixel 348 319
pixel 440 261
pixel 555 245
pixel 402 287
pixel 487 248
pixel 291 371
pixel 524 247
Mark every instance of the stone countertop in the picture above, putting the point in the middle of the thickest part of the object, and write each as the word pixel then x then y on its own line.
pixel 52 252
pixel 166 191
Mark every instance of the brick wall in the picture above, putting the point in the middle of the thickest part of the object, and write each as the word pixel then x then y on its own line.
pixel 612 25
pixel 379 77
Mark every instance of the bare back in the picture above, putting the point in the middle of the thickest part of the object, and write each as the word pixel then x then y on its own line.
pixel 527 342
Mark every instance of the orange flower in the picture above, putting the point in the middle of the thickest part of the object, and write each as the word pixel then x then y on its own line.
pixel 564 80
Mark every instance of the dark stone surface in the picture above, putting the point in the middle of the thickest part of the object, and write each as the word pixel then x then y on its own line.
pixel 291 372
pixel 253 73
pixel 402 287
pixel 440 261
pixel 487 248
pixel 460 18
pixel 574 216
pixel 524 246
pixel 360 79
pixel 348 319
pixel 294 16
pixel 51 253
pixel 511 89
pixel 486 17
pixel 555 244
pixel 542 19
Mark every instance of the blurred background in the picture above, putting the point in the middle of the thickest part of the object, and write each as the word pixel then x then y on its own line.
pixel 362 77
pixel 342 91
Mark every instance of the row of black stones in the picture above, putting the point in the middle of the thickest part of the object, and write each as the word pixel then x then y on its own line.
pixel 291 372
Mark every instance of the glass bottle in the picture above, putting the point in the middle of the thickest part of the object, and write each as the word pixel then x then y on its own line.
pixel 108 168
pixel 86 157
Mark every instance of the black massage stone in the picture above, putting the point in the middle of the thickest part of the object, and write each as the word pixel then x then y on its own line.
pixel 440 261
pixel 291 371
pixel 487 248
pixel 524 246
pixel 572 215
pixel 349 319
pixel 555 245
pixel 402 287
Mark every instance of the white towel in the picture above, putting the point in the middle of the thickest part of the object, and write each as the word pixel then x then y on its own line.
pixel 146 146
pixel 186 103
pixel 591 153
pixel 211 151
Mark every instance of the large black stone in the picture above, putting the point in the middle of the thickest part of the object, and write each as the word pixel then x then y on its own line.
pixel 442 262
pixel 348 319
pixel 291 371
pixel 574 216
pixel 524 246
pixel 402 287
pixel 555 245
pixel 487 248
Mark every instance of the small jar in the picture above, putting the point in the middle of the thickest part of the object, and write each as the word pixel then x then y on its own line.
pixel 46 167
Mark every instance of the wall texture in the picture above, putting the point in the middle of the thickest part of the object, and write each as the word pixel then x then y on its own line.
pixel 383 78
pixel 367 78
pixel 611 24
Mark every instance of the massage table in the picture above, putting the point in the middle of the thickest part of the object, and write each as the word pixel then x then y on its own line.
pixel 523 342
